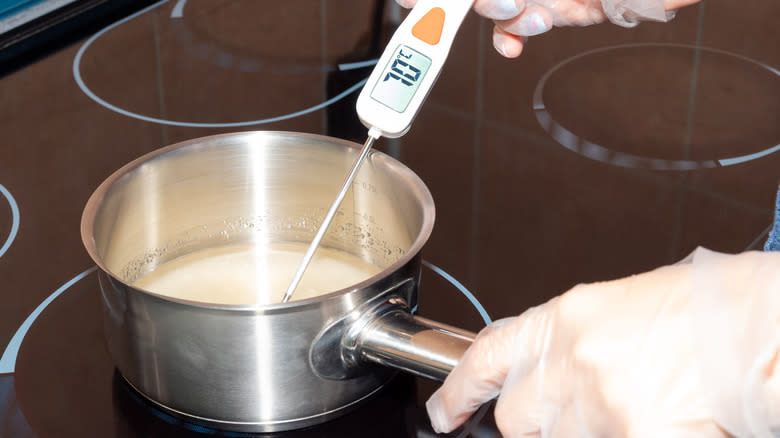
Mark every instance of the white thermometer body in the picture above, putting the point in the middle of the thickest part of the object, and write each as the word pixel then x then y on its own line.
pixel 410 65
pixel 397 88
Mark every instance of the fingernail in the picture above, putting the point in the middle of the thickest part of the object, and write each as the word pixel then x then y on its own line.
pixel 501 10
pixel 532 24
pixel 498 43
pixel 436 413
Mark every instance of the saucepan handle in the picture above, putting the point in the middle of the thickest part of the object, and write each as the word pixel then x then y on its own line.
pixel 417 345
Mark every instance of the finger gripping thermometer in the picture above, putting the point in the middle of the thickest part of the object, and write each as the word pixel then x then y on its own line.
pixel 397 88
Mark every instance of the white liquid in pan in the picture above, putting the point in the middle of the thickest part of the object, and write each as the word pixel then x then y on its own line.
pixel 248 274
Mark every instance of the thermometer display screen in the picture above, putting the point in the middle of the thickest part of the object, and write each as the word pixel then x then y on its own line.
pixel 401 78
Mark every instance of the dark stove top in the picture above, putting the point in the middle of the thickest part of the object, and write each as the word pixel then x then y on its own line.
pixel 601 152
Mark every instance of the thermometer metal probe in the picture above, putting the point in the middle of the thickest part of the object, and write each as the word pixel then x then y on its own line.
pixel 397 88
pixel 315 243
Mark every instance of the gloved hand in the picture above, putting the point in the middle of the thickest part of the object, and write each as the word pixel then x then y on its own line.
pixel 688 350
pixel 517 19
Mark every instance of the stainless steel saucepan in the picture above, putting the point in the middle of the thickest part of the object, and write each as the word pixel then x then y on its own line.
pixel 270 367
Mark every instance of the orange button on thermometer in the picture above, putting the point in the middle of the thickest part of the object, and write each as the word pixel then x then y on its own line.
pixel 429 28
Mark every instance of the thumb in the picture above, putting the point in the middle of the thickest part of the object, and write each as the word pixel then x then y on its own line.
pixel 480 374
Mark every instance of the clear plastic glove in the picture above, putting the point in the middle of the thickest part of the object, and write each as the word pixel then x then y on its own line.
pixel 688 350
pixel 517 19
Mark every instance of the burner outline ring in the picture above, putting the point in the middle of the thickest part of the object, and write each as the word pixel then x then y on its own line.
pixel 14 220
pixel 597 152
pixel 8 359
pixel 83 86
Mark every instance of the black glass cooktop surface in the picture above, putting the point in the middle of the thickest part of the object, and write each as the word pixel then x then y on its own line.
pixel 599 153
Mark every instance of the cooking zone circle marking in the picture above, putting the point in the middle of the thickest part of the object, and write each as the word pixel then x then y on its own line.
pixel 14 222
pixel 83 86
pixel 470 296
pixel 594 151
pixel 208 51
pixel 8 360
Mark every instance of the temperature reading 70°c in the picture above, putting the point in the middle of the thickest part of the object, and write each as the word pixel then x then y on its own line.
pixel 402 70
pixel 401 78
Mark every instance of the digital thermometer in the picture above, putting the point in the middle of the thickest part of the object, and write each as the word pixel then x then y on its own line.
pixel 410 65
pixel 396 89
